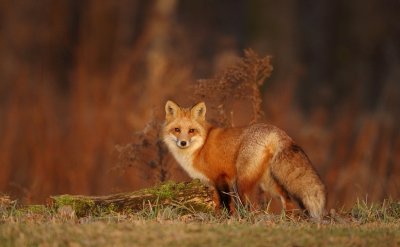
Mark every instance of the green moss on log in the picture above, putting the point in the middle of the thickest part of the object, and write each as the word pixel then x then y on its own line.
pixel 190 196
pixel 81 205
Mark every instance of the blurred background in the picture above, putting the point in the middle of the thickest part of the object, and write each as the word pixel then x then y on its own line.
pixel 79 77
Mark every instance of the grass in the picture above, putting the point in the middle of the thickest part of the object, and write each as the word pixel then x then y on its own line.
pixel 366 224
pixel 172 233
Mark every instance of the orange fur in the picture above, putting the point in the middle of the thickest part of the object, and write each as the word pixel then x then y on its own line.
pixel 256 155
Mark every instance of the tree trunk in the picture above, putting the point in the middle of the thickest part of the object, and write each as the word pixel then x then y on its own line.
pixel 189 197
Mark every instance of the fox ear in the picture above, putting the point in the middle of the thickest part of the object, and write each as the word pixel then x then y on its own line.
pixel 171 109
pixel 198 111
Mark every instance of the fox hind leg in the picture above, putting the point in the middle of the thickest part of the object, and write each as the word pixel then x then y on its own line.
pixel 250 168
pixel 244 189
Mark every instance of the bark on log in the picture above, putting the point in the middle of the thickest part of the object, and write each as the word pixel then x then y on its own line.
pixel 188 197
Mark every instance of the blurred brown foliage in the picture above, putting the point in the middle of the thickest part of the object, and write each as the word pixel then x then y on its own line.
pixel 79 78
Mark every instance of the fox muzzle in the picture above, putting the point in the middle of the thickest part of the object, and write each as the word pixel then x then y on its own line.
pixel 182 144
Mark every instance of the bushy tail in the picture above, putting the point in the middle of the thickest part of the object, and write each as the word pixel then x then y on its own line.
pixel 294 172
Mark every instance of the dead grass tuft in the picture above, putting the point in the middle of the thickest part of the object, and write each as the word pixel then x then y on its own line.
pixel 242 81
pixel 146 150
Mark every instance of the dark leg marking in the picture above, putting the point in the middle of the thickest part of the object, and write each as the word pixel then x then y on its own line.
pixel 223 191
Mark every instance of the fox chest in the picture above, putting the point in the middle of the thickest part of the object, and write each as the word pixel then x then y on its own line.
pixel 186 162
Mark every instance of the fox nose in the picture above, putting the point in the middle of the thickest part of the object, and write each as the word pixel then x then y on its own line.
pixel 183 143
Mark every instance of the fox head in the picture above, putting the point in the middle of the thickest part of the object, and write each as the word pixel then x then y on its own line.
pixel 184 128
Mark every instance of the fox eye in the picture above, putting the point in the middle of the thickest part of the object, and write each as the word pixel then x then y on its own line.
pixel 191 131
pixel 177 130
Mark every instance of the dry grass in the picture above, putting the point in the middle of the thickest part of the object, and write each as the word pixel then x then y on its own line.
pixel 179 234
pixel 365 225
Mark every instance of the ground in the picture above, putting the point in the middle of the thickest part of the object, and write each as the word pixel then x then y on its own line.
pixel 366 224
pixel 171 233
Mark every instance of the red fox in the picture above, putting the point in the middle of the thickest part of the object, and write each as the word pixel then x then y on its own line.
pixel 242 159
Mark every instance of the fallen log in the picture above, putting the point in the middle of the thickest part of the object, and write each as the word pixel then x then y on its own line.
pixel 187 196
